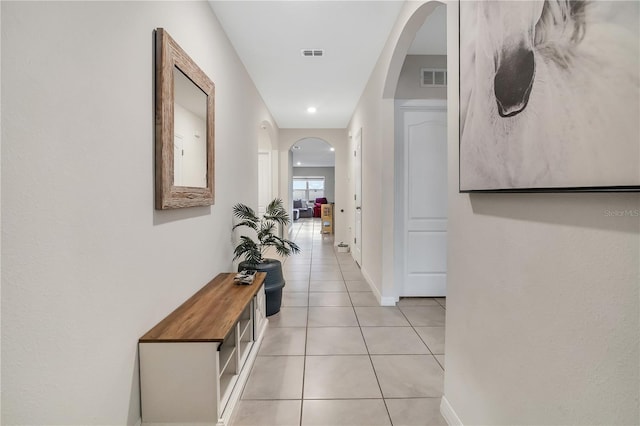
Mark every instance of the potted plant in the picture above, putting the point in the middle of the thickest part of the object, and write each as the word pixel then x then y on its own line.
pixel 253 252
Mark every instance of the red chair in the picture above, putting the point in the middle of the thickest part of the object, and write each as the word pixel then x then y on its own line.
pixel 317 206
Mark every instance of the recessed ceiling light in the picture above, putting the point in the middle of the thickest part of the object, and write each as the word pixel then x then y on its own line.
pixel 311 110
pixel 298 163
pixel 332 149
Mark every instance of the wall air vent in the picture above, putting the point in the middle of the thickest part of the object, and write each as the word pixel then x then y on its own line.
pixel 312 52
pixel 432 77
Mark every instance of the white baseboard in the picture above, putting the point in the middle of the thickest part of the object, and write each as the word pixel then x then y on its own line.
pixel 372 286
pixel 449 413
pixel 383 301
pixel 180 424
pixel 388 301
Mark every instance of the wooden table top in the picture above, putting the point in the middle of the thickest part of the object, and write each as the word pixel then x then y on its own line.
pixel 208 315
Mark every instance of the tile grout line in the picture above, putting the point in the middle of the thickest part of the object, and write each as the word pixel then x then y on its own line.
pixel 364 341
pixel 306 234
pixel 306 329
pixel 373 368
pixel 420 337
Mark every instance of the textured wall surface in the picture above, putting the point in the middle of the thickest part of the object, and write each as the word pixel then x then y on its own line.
pixel 88 265
pixel 543 301
pixel 543 289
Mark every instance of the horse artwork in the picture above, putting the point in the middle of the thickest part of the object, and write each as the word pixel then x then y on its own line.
pixel 549 95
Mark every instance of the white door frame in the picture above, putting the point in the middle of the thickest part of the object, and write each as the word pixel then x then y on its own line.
pixel 401 201
pixel 265 178
pixel 356 253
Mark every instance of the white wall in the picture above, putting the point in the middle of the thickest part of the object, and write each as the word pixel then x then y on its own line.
pixel 374 114
pixel 543 302
pixel 88 265
pixel 337 138
pixel 409 82
pixel 1 221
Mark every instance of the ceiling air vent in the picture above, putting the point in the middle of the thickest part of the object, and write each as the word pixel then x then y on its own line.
pixel 433 77
pixel 312 52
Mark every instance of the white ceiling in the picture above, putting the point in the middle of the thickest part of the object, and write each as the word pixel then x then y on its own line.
pixel 312 152
pixel 269 36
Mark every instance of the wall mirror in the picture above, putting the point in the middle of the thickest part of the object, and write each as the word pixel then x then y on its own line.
pixel 184 136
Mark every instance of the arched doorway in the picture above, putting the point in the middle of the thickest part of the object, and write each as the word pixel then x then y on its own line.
pixel 313 175
pixel 417 83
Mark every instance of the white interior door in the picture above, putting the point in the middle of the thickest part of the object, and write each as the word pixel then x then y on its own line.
pixel 264 181
pixel 357 177
pixel 423 139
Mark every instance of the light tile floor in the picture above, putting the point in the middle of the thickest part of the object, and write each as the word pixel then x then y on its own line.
pixel 333 356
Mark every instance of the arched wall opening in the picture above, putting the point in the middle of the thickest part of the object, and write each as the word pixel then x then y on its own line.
pixel 375 117
pixel 334 138
pixel 420 158
pixel 404 41
pixel 313 175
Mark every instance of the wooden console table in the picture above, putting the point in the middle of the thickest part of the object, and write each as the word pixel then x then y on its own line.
pixel 195 362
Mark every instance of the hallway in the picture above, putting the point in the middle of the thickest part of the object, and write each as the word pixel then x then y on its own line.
pixel 333 356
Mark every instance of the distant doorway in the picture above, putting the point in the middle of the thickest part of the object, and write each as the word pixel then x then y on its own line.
pixel 313 174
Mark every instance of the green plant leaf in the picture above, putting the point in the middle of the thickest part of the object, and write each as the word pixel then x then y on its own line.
pixel 265 228
pixel 249 249
pixel 276 212
pixel 245 212
pixel 246 223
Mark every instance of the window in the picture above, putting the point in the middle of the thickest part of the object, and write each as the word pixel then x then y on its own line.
pixel 308 188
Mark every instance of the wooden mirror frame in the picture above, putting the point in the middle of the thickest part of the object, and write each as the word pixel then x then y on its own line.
pixel 169 55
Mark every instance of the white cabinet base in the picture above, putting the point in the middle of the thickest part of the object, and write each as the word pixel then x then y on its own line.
pixel 200 383
pixel 243 377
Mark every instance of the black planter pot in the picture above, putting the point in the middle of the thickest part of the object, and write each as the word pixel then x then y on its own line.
pixel 273 283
